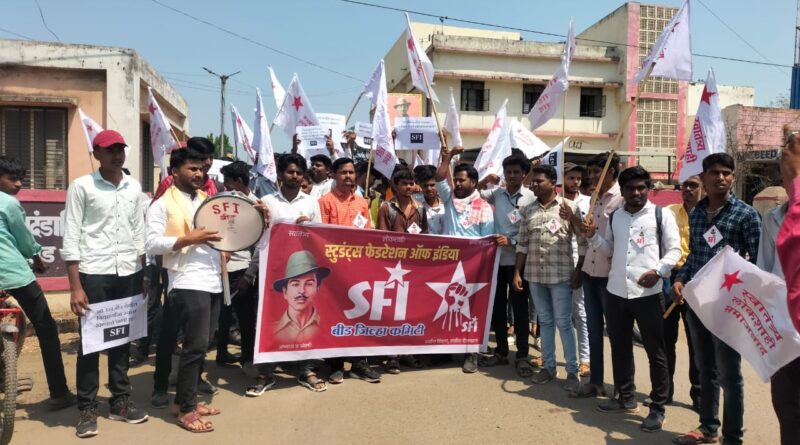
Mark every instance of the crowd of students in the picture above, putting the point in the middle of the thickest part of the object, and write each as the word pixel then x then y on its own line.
pixel 567 265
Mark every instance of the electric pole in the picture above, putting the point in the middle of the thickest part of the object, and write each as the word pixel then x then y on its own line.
pixel 223 78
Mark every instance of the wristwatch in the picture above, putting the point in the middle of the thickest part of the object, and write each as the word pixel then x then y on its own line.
pixel 658 273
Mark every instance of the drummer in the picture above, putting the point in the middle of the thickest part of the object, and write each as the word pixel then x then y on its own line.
pixel 194 277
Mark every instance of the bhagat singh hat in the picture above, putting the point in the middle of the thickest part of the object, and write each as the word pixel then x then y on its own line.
pixel 300 263
pixel 569 166
pixel 107 138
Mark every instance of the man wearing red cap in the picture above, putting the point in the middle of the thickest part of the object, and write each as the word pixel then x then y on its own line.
pixel 104 250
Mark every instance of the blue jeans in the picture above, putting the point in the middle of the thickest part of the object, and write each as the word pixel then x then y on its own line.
pixel 720 366
pixel 554 308
pixel 594 299
pixel 579 320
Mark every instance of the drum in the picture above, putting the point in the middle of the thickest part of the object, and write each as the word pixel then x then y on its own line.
pixel 232 215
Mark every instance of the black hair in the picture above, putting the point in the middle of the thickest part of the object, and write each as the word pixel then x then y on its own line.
pixel 337 164
pixel 723 159
pixel 519 160
pixel 402 162
pixel 517 152
pixel 547 170
pixel 237 170
pixel 599 160
pixel 401 174
pixel 637 173
pixel 292 158
pixel 362 166
pixel 12 167
pixel 181 155
pixel 424 173
pixel 324 160
pixel 201 145
pixel 472 173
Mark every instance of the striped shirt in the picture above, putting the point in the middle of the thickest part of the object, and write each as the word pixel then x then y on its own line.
pixel 546 239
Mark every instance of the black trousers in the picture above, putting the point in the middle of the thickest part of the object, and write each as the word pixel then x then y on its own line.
pixel 100 288
pixel 246 306
pixel 226 317
pixel 671 339
pixel 519 304
pixel 32 301
pixel 786 401
pixel 155 307
pixel 192 309
pixel 647 312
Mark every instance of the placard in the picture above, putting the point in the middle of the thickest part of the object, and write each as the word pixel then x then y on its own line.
pixel 113 323
pixel 364 135
pixel 416 133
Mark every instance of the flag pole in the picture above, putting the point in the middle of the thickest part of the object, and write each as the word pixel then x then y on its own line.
pixel 353 109
pixel 91 162
pixel 563 137
pixel 623 123
pixel 433 108
pixel 276 115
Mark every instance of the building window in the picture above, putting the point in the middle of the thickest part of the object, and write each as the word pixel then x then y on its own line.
pixel 593 103
pixel 37 137
pixel 530 94
pixel 473 96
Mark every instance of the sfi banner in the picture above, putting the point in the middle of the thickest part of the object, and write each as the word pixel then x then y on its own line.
pixel 328 291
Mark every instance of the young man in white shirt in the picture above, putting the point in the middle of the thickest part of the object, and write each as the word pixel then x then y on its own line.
pixel 424 176
pixel 644 244
pixel 320 175
pixel 288 204
pixel 104 252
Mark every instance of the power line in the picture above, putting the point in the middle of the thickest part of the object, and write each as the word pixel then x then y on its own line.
pixel 730 28
pixel 16 34
pixel 255 42
pixel 544 33
pixel 44 22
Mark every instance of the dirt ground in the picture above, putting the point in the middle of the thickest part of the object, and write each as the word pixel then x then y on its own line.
pixel 433 405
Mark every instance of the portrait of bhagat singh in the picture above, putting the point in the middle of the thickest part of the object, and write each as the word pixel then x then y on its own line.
pixel 299 287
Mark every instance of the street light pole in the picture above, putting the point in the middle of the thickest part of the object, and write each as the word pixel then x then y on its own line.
pixel 223 78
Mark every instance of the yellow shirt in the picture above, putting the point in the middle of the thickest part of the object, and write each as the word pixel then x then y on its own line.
pixel 682 218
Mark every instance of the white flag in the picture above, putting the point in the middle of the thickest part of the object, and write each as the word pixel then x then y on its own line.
pixel 242 134
pixel 90 129
pixel 526 141
pixel 672 52
pixel 161 140
pixel 385 158
pixel 451 124
pixel 708 131
pixel 277 89
pixel 373 86
pixel 746 308
pixel 553 95
pixel 419 64
pixel 497 146
pixel 296 110
pixel 262 144
pixel 555 158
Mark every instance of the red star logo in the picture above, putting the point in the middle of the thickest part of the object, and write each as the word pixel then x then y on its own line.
pixel 706 95
pixel 496 124
pixel 151 108
pixel 238 120
pixel 730 280
pixel 297 103
pixel 411 44
pixel 89 127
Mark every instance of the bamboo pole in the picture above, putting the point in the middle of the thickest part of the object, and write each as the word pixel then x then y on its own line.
pixel 353 109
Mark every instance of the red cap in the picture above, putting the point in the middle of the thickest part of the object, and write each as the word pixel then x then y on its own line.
pixel 107 138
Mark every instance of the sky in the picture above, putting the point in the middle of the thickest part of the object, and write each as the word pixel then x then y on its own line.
pixel 351 39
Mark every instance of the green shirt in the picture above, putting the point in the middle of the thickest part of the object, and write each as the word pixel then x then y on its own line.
pixel 16 245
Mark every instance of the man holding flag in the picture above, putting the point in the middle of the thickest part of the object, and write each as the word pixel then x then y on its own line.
pixel 718 220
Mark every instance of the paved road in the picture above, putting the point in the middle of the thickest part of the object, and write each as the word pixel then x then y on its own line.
pixel 436 405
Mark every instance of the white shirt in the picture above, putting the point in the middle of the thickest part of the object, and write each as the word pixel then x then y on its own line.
pixel 629 259
pixel 583 202
pixel 767 258
pixel 281 209
pixel 319 189
pixel 199 267
pixel 104 228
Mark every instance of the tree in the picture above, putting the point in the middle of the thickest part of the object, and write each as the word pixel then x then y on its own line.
pixel 225 149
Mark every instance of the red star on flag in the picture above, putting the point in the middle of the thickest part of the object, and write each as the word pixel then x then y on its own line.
pixel 730 280
pixel 706 95
pixel 411 44
pixel 89 127
pixel 297 103
pixel 151 108
pixel 496 124
pixel 238 120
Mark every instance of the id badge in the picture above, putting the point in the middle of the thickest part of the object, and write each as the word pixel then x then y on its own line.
pixel 712 236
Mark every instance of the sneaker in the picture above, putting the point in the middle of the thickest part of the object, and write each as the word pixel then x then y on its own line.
pixel 159 399
pixel 588 390
pixel 57 403
pixel 125 410
pixel 336 377
pixel 137 356
pixel 361 370
pixel 584 370
pixel 573 382
pixel 618 406
pixel 205 387
pixel 227 359
pixel 653 422
pixel 470 364
pixel 393 365
pixel 543 376
pixel 263 383
pixel 87 423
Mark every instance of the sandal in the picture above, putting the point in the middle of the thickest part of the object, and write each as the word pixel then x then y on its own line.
pixel 205 410
pixel 537 362
pixel 263 383
pixel 312 382
pixel 492 360
pixel 695 437
pixel 193 418
pixel 524 368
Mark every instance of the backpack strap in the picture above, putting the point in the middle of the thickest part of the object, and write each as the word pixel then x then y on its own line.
pixel 392 214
